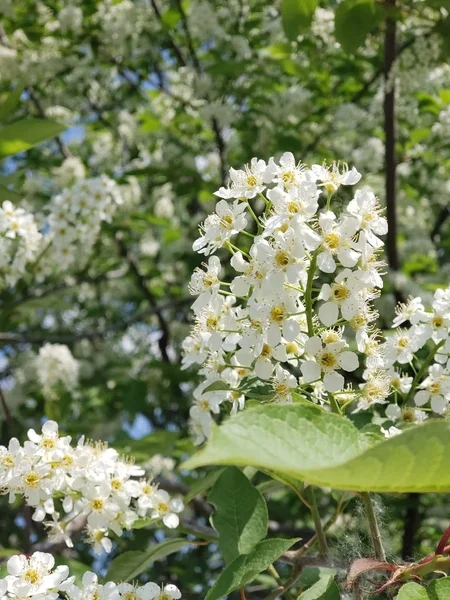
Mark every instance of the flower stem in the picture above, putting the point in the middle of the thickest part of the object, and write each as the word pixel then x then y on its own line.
pixel 257 221
pixel 374 528
pixel 308 294
pixel 423 369
pixel 323 546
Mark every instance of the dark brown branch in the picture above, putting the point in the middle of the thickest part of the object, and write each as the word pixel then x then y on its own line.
pixel 443 215
pixel 220 142
pixel 361 93
pixel 139 278
pixel 389 131
pixel 411 526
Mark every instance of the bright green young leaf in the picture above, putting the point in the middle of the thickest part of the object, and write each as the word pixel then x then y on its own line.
pixel 322 448
pixel 324 589
pixel 354 19
pixel 129 565
pixel 240 517
pixel 437 590
pixel 7 107
pixel 26 133
pixel 296 16
pixel 445 96
pixel 246 567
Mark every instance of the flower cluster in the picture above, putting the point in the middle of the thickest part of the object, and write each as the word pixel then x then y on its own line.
pixel 298 313
pixel 75 219
pixel 36 578
pixel 19 242
pixel 88 480
pixel 56 367
pixel 429 331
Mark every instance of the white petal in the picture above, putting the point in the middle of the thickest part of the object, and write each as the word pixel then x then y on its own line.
pixel 329 313
pixel 291 329
pixel 313 345
pixel 348 360
pixel 171 520
pixel 438 404
pixel 393 411
pixel 263 368
pixel 421 398
pixel 273 335
pixel 310 371
pixel 326 263
pixel 333 382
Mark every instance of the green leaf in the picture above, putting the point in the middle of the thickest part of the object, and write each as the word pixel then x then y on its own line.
pixel 160 442
pixel 325 449
pixel 217 386
pixel 7 194
pixel 437 590
pixel 129 565
pixel 246 567
pixel 200 486
pixel 26 133
pixel 418 135
pixel 324 589
pixel 296 16
pixel 241 517
pixel 445 96
pixel 8 106
pixel 412 591
pixel 143 522
pixel 77 568
pixel 354 19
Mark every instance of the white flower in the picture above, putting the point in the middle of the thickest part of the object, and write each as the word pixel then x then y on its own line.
pixel 20 242
pixel 55 366
pixel 337 242
pixel 332 179
pixel 167 509
pixel 33 576
pixel 205 283
pixel 328 359
pixel 365 208
pixel 288 173
pixel 283 383
pixel 343 295
pixel 434 389
pixel 228 220
pixel 248 183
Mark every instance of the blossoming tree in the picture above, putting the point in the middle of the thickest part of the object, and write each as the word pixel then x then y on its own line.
pixel 232 449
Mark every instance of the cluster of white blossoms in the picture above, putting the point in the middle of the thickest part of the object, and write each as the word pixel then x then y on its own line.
pixel 56 367
pixel 20 242
pixel 298 313
pixel 36 578
pixel 89 481
pixel 75 219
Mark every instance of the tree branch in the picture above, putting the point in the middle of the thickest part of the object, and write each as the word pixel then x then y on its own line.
pixel 163 341
pixel 389 131
pixel 38 338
